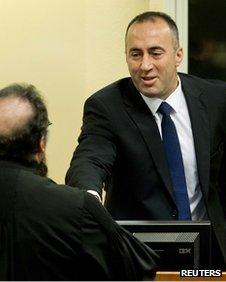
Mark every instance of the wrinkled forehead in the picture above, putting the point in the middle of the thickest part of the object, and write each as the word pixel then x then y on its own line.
pixel 15 112
pixel 150 30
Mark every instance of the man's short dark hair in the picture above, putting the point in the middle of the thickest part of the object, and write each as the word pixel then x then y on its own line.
pixel 152 16
pixel 21 144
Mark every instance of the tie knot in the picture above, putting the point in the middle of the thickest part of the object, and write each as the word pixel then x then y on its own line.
pixel 165 109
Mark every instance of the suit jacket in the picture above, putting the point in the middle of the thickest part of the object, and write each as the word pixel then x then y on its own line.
pixel 120 146
pixel 55 232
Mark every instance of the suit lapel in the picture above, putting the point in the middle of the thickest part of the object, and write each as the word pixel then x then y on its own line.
pixel 198 111
pixel 145 122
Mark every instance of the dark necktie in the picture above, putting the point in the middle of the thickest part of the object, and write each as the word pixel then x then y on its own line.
pixel 175 162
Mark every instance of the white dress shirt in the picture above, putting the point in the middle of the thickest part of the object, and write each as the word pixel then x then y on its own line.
pixel 181 119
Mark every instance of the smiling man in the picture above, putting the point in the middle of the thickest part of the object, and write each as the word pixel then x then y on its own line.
pixel 156 141
pixel 153 55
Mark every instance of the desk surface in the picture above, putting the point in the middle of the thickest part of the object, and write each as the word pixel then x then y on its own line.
pixel 175 276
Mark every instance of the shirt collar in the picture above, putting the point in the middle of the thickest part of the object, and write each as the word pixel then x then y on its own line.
pixel 174 100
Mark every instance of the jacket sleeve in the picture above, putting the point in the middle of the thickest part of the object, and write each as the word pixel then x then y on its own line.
pixel 94 156
pixel 117 252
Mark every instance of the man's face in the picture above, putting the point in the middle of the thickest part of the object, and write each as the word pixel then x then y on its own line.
pixel 152 59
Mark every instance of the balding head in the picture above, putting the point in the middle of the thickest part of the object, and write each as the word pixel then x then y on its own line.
pixel 23 123
pixel 154 16
pixel 15 115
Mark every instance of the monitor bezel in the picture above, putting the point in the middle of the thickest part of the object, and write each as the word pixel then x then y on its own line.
pixel 202 227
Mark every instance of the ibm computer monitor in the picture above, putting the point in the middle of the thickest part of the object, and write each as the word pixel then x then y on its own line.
pixel 180 244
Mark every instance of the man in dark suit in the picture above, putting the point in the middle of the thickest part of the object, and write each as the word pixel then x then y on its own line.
pixel 50 231
pixel 121 145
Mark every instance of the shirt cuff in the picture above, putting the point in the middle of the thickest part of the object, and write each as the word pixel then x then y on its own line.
pixel 95 194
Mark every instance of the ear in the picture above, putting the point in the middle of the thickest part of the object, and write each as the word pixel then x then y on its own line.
pixel 42 145
pixel 178 56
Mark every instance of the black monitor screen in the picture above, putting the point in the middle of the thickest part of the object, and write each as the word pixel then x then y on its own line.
pixel 180 244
